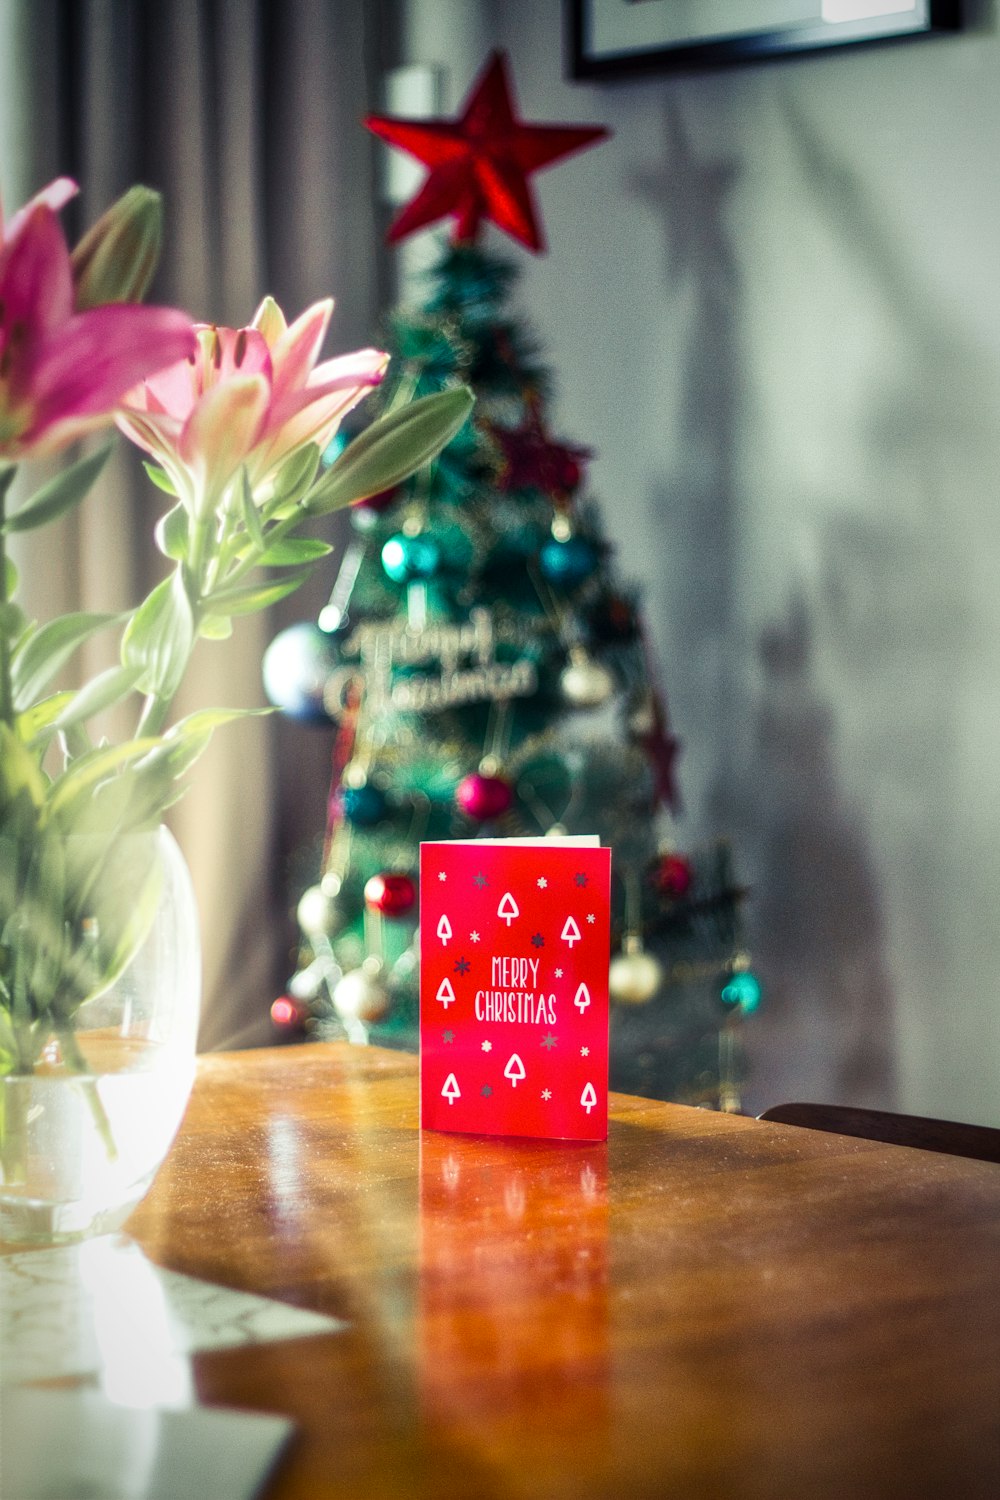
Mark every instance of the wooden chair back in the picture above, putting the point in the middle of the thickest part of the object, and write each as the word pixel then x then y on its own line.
pixel 979 1141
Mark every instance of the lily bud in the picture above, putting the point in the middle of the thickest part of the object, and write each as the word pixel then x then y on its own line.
pixel 116 259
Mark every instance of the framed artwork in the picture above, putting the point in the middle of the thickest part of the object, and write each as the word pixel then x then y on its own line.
pixel 612 37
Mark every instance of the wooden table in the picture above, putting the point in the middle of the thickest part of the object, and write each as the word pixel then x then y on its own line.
pixel 707 1306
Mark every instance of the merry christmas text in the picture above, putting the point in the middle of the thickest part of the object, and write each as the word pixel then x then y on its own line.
pixel 519 1004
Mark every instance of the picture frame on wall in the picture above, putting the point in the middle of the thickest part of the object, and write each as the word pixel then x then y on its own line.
pixel 608 38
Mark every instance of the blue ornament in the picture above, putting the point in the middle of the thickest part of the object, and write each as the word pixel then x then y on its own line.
pixel 364 806
pixel 409 559
pixel 743 990
pixel 569 561
pixel 296 666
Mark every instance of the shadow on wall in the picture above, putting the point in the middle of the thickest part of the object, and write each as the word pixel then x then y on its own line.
pixel 693 510
pixel 768 773
pixel 827 1028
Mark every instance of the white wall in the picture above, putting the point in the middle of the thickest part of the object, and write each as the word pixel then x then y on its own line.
pixel 772 304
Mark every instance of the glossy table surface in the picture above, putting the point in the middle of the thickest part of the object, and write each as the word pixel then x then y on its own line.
pixel 706 1306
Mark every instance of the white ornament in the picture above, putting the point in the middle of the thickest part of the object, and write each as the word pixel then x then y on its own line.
pixel 444 930
pixel 359 997
pixel 582 998
pixel 318 915
pixel 588 1098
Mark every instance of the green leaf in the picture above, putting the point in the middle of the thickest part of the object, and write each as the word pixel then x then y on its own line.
pixel 293 550
pixel 41 654
pixel 60 494
pixel 185 741
pixel 160 478
pixel 80 779
pixel 43 929
pixel 251 515
pixel 389 450
pixel 112 884
pixel 246 600
pixel 7 472
pixel 294 478
pixel 41 716
pixel 12 620
pixel 160 636
pixel 215 627
pixel 171 533
pixel 102 692
pixel 19 771
pixel 10 578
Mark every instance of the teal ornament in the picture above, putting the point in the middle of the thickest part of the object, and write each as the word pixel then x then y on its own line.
pixel 567 562
pixel 744 991
pixel 410 559
pixel 364 806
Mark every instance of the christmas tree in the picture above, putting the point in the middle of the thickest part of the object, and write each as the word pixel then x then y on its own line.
pixel 484 672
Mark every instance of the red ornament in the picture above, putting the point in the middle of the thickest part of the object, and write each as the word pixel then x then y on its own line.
pixel 378 502
pixel 483 797
pixel 672 876
pixel 391 894
pixel 480 163
pixel 289 1014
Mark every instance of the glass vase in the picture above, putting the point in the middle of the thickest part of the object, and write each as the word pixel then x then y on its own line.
pixel 83 1133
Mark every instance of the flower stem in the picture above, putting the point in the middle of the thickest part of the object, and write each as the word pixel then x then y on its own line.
pixel 6 689
pixel 88 1083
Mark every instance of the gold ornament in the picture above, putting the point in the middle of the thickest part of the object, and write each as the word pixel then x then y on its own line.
pixel 584 682
pixel 634 976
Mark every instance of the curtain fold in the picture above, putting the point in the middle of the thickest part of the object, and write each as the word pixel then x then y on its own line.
pixel 245 115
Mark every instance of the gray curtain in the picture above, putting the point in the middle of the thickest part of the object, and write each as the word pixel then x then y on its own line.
pixel 245 115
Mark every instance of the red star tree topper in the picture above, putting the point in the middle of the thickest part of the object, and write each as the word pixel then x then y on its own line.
pixel 480 162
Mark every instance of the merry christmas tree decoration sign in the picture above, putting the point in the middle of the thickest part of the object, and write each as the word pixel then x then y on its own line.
pixel 514 987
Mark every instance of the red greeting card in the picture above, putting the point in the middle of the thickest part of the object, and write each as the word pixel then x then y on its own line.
pixel 514 949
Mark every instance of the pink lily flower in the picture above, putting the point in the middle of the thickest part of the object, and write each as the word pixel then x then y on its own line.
pixel 55 195
pixel 62 373
pixel 249 396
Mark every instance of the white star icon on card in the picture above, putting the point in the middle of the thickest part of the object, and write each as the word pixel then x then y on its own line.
pixel 546 1093
pixel 591 917
pixel 442 875
pixel 584 1051
pixel 487 1046
pixel 542 882
pixel 473 937
pixel 558 973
